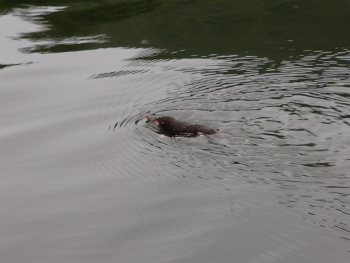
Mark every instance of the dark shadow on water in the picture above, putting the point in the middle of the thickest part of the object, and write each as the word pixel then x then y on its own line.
pixel 276 29
pixel 7 65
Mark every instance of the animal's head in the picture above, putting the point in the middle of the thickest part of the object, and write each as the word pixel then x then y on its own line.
pixel 165 124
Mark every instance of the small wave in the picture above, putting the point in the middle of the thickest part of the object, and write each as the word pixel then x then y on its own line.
pixel 117 73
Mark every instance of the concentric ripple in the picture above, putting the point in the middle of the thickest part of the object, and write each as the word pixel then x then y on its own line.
pixel 85 178
pixel 88 154
pixel 290 127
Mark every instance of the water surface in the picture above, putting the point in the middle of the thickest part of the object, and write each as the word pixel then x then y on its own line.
pixel 84 178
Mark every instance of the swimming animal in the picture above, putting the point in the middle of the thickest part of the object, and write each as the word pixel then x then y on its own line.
pixel 172 127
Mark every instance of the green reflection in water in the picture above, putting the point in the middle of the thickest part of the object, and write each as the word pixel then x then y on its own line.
pixel 276 29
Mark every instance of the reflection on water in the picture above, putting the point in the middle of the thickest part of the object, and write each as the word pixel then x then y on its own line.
pixel 85 178
pixel 279 29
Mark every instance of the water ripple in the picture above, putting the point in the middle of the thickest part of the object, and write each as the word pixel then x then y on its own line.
pixel 289 127
pixel 293 118
pixel 117 73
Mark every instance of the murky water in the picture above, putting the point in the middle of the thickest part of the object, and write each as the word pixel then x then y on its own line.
pixel 84 177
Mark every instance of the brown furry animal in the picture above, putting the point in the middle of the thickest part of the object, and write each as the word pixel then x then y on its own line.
pixel 172 127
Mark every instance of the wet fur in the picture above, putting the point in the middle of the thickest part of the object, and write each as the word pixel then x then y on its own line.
pixel 172 127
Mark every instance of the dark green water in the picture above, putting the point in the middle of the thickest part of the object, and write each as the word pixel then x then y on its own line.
pixel 84 178
pixel 273 29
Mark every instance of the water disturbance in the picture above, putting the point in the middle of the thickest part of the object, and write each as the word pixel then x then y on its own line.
pixel 85 177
